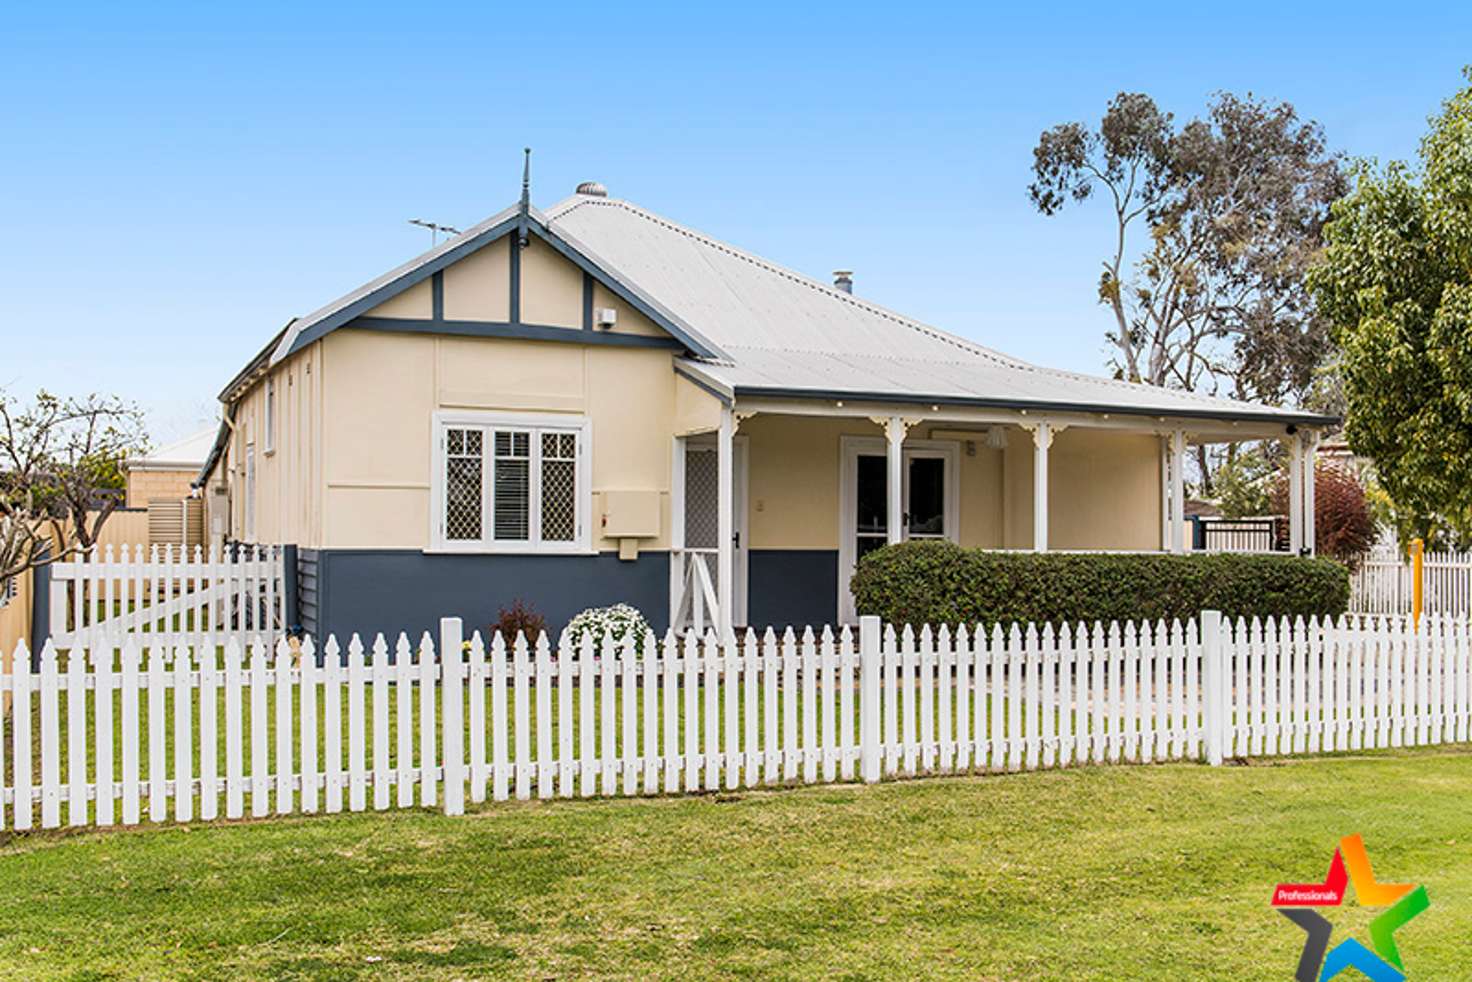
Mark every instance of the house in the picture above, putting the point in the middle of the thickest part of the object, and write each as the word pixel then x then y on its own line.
pixel 160 507
pixel 596 404
pixel 168 472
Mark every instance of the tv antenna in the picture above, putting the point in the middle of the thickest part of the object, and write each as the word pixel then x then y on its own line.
pixel 434 230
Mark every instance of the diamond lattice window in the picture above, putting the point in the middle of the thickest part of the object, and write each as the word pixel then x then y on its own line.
pixel 512 487
pixel 464 466
pixel 559 487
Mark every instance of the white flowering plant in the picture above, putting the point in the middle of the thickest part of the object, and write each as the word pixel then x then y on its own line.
pixel 618 622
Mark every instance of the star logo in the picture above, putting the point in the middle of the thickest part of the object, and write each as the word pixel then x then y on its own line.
pixel 1350 865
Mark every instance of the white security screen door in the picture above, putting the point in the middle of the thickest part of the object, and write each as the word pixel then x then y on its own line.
pixel 929 497
pixel 701 512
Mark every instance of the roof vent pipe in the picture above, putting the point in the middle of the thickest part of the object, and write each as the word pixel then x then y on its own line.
pixel 843 279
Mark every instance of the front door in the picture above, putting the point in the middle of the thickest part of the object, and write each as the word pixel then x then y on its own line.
pixel 928 502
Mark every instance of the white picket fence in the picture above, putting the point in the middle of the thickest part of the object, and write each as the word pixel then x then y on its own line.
pixel 168 596
pixel 1358 683
pixel 1384 582
pixel 119 733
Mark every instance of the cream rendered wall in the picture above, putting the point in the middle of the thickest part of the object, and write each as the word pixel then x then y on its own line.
pixel 792 479
pixel 478 287
pixel 551 287
pixel 379 391
pixel 696 410
pixel 288 487
pixel 383 389
pixel 417 301
pixel 794 471
pixel 630 321
pixel 1017 490
pixel 351 466
pixel 1104 490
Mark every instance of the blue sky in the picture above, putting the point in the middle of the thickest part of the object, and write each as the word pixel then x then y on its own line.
pixel 178 181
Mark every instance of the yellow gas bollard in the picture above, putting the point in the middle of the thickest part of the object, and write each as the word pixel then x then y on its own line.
pixel 1418 556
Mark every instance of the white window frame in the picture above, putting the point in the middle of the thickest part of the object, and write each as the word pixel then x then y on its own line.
pixel 270 414
pixel 582 541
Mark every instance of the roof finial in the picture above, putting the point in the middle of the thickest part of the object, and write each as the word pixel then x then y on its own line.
pixel 526 199
pixel 526 181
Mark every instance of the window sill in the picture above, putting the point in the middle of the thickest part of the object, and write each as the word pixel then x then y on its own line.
pixel 446 550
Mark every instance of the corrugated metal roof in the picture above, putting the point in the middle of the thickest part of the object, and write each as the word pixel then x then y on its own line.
pixel 755 327
pixel 186 454
pixel 790 334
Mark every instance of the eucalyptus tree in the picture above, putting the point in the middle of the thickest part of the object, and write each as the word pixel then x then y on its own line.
pixel 1213 224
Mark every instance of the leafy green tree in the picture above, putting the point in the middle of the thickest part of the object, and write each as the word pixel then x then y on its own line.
pixel 1396 282
pixel 1244 484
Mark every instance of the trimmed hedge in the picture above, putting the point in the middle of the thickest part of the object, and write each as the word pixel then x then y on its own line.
pixel 941 583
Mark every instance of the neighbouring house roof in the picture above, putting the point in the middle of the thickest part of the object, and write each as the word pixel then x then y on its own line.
pixel 751 327
pixel 188 454
pixel 1205 509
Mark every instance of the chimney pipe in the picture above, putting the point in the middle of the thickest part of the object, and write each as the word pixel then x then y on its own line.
pixel 843 279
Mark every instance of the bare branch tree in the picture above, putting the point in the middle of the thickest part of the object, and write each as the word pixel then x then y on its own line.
pixel 60 473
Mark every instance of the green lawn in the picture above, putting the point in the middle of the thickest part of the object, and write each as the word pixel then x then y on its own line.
pixel 1091 873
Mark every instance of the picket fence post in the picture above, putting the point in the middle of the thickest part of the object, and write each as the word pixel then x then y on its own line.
pixel 452 661
pixel 869 697
pixel 1214 668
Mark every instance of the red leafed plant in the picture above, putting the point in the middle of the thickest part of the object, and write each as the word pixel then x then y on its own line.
pixel 1343 528
pixel 520 616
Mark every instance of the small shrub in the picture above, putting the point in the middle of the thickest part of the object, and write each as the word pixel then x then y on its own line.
pixel 941 583
pixel 618 622
pixel 522 617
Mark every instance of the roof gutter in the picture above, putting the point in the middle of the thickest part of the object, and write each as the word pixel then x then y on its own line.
pixel 254 367
pixel 707 383
pixel 982 402
pixel 222 440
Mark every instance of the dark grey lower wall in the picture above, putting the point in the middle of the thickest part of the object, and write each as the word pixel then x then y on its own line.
pixel 797 587
pixel 308 608
pixel 368 591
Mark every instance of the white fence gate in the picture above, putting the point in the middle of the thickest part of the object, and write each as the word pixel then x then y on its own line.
pixel 1384 583
pixel 168 596
pixel 117 733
